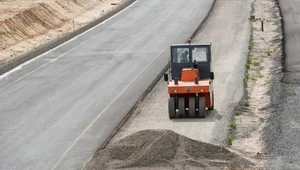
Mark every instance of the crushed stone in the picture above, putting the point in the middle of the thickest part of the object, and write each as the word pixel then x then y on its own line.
pixel 164 149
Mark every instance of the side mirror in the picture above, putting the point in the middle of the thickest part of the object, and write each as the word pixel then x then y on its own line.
pixel 166 77
pixel 212 75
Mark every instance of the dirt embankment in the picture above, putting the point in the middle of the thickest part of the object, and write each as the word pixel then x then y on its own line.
pixel 263 69
pixel 24 25
pixel 164 149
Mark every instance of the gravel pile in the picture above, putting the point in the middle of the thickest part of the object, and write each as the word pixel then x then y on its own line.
pixel 151 149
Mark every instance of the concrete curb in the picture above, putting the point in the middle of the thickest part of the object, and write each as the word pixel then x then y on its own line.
pixel 7 66
pixel 156 80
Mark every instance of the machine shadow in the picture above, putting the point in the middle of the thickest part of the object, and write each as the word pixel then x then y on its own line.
pixel 211 116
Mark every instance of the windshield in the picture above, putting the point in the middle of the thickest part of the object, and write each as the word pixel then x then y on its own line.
pixel 181 55
pixel 199 54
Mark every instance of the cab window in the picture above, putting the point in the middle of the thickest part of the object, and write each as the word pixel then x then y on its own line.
pixel 199 54
pixel 181 55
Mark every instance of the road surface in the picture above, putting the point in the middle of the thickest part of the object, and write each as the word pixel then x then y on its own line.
pixel 291 18
pixel 228 29
pixel 57 109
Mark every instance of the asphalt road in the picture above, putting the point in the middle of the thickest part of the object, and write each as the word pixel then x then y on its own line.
pixel 228 29
pixel 57 109
pixel 291 18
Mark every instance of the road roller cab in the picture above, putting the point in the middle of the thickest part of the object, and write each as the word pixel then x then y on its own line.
pixel 191 84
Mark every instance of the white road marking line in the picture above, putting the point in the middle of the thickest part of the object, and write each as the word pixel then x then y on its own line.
pixel 28 74
pixel 51 60
pixel 20 66
pixel 98 116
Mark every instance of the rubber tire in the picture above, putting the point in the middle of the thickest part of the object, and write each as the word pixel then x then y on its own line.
pixel 172 110
pixel 213 102
pixel 192 107
pixel 202 107
pixel 181 107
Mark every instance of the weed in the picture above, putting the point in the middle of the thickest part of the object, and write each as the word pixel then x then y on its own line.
pixel 260 75
pixel 233 125
pixel 238 113
pixel 269 52
pixel 248 63
pixel 247 75
pixel 245 80
pixel 249 60
pixel 247 66
pixel 250 45
pixel 256 63
pixel 229 140
pixel 253 78
pixel 3 32
pixel 246 103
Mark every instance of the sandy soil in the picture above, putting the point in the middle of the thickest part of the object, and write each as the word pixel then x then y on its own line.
pixel 263 64
pixel 24 25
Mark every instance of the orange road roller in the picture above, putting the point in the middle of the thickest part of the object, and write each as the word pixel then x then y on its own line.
pixel 191 86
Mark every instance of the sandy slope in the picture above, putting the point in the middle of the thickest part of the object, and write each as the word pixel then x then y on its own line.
pixel 24 25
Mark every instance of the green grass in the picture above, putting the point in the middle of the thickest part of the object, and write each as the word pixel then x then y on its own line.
pixel 246 103
pixel 247 75
pixel 245 80
pixel 249 60
pixel 3 32
pixel 269 53
pixel 238 113
pixel 229 140
pixel 233 125
pixel 247 66
pixel 256 63
pixel 253 78
pixel 250 45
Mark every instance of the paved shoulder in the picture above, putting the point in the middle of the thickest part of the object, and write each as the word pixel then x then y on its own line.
pixel 291 17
